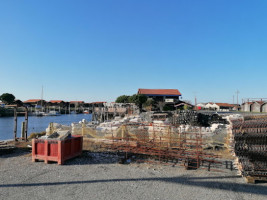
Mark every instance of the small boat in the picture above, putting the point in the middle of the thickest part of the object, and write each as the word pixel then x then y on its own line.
pixel 86 112
pixel 39 113
pixel 52 113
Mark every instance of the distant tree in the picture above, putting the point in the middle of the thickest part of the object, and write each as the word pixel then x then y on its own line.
pixel 138 99
pixel 122 99
pixel 7 98
pixel 18 102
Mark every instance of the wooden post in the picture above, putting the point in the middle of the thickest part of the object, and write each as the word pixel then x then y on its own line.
pixel 51 128
pixel 26 124
pixel 93 112
pixel 23 130
pixel 83 128
pixel 15 123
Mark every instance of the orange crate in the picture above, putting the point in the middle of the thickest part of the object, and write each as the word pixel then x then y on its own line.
pixel 56 150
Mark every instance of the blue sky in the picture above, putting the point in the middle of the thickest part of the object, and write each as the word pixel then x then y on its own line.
pixel 98 50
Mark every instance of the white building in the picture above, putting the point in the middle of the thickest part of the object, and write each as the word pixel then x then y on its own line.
pixel 212 106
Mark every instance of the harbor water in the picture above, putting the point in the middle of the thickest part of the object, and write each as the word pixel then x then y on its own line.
pixel 36 124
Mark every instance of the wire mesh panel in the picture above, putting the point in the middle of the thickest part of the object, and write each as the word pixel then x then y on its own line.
pixel 163 142
pixel 250 145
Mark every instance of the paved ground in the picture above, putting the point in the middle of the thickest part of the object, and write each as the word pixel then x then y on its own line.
pixel 98 176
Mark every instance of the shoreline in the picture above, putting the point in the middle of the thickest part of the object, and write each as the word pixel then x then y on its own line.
pixel 36 124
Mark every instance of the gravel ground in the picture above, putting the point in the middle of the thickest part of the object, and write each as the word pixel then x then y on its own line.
pixel 99 176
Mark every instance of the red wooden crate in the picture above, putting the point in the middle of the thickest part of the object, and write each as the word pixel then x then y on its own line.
pixel 56 150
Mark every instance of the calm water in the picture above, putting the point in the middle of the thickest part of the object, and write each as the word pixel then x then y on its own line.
pixel 37 124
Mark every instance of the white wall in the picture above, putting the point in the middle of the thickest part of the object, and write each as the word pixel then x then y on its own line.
pixel 212 106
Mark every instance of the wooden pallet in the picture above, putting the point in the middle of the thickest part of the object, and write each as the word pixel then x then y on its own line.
pixel 253 179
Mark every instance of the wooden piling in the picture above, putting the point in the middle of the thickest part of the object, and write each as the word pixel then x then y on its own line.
pixel 15 123
pixel 26 124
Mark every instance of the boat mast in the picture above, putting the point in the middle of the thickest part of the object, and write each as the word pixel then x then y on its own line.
pixel 42 96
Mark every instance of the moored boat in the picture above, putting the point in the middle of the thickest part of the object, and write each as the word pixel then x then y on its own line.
pixel 52 113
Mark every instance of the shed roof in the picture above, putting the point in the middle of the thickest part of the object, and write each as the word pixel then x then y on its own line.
pixel 56 101
pixel 165 92
pixel 259 102
pixel 249 102
pixel 32 100
pixel 98 102
pixel 225 105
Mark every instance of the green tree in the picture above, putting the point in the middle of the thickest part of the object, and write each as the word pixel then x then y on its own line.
pixel 18 102
pixel 138 99
pixel 122 99
pixel 149 104
pixel 7 98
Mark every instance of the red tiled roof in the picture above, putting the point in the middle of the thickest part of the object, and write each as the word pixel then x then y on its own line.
pixel 225 105
pixel 247 103
pixel 160 91
pixel 56 101
pixel 98 102
pixel 32 100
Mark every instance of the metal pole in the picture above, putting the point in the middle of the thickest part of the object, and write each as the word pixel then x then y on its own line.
pixel 237 92
pixel 233 99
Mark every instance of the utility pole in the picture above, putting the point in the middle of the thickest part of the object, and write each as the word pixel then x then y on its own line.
pixel 195 102
pixel 237 92
pixel 233 99
pixel 195 93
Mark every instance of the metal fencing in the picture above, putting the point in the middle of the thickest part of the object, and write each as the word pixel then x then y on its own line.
pixel 162 143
